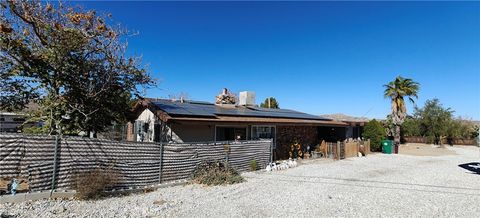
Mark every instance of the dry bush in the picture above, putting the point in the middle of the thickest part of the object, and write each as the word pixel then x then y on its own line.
pixel 253 165
pixel 149 189
pixel 215 173
pixel 93 183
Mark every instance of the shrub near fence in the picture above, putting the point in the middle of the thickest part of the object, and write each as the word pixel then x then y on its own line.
pixel 139 164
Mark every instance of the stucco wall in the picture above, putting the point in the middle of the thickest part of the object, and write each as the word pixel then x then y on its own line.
pixel 193 133
pixel 171 132
pixel 148 117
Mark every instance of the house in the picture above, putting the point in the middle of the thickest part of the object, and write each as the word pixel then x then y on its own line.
pixel 164 120
pixel 11 122
pixel 354 129
pixel 16 121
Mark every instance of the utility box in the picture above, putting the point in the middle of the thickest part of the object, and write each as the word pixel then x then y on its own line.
pixel 387 146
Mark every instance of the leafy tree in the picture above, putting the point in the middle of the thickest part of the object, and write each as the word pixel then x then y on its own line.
pixel 270 102
pixel 437 122
pixel 411 127
pixel 374 131
pixel 70 61
pixel 460 128
pixel 435 119
pixel 396 90
pixel 455 129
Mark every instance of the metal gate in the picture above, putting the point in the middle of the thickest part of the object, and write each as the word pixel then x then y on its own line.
pixel 336 150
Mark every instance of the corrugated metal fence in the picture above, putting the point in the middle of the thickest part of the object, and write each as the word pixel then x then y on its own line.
pixel 139 164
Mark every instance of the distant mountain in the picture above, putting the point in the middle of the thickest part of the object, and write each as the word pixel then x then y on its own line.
pixel 344 117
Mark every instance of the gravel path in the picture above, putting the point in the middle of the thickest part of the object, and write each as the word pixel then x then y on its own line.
pixel 377 186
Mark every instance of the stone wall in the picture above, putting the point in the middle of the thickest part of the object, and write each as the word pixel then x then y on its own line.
pixel 287 135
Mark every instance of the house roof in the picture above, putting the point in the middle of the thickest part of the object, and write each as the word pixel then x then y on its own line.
pixel 209 112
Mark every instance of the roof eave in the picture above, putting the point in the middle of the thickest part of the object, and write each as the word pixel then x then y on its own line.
pixel 286 121
pixel 145 103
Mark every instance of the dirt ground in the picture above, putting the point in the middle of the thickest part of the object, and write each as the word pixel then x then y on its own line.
pixel 378 185
pixel 418 149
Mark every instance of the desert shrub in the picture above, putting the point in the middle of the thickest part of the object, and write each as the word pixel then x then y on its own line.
pixel 149 189
pixel 374 131
pixel 215 173
pixel 93 183
pixel 253 165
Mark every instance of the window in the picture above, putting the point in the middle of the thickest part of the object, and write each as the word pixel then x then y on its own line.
pixel 263 132
pixel 227 133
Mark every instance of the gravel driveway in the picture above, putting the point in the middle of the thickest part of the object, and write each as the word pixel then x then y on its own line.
pixel 377 186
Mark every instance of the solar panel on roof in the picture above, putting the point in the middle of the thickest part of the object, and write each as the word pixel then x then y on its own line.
pixel 210 110
pixel 187 109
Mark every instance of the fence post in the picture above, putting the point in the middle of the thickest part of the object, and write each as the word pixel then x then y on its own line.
pixel 161 156
pixel 358 147
pixel 124 132
pixel 161 163
pixel 54 172
pixel 338 151
pixel 227 148
pixel 271 150
pixel 327 145
pixel 214 134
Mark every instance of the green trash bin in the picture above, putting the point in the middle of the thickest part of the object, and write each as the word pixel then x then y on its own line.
pixel 387 146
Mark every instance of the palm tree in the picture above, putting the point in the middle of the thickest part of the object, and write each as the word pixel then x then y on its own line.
pixel 396 90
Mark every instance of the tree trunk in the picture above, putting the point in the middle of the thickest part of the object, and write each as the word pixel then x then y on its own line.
pixel 397 135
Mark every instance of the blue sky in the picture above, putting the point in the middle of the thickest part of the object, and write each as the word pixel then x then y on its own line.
pixel 316 57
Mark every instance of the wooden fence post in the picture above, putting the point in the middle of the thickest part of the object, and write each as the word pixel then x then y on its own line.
pixel 337 155
pixel 358 148
pixel 226 149
pixel 326 149
pixel 271 150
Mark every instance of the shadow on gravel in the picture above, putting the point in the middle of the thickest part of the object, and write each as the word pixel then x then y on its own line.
pixel 413 187
pixel 378 182
pixel 4 215
pixel 473 167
